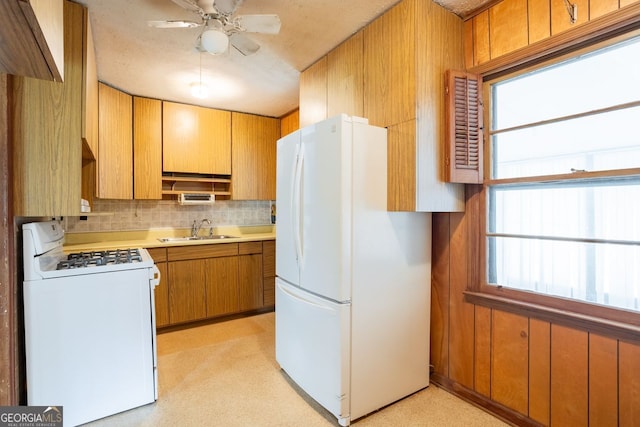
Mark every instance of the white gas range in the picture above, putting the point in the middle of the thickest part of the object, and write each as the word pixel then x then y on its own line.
pixel 89 326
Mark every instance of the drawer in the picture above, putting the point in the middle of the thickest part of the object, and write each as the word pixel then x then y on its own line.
pixel 179 253
pixel 247 248
pixel 158 254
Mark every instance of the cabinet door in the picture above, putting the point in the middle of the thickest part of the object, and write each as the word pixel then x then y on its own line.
pixel 162 297
pixel 215 141
pixel 345 81
pixel 90 92
pixel 250 275
pixel 47 134
pixel 196 139
pixel 254 157
pixel 161 292
pixel 313 93
pixel 115 147
pixel 269 272
pixel 222 285
pixel 389 67
pixel 187 295
pixel 147 148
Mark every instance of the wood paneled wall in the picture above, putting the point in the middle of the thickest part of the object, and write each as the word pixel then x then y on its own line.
pixel 514 24
pixel 527 370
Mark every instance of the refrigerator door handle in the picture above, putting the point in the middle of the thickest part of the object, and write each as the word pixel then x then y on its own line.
pixel 297 208
pixel 303 299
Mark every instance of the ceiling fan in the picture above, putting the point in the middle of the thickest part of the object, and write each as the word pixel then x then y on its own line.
pixel 220 28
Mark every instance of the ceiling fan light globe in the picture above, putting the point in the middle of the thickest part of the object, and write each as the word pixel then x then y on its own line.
pixel 214 42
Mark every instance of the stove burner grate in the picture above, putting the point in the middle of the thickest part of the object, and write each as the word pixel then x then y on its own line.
pixel 97 258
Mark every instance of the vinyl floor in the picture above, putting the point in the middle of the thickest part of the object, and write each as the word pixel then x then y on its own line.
pixel 225 374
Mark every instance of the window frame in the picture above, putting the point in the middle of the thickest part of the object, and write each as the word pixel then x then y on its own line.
pixel 622 323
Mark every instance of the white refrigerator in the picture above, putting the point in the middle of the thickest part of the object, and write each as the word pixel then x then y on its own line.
pixel 353 280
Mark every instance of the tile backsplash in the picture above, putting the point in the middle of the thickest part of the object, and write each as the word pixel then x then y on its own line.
pixel 145 214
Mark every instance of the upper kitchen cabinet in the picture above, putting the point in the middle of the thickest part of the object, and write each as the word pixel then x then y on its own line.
pixel 147 148
pixel 89 130
pixel 406 53
pixel 313 93
pixel 115 148
pixel 90 93
pixel 32 39
pixel 254 157
pixel 345 79
pixel 389 66
pixel 334 84
pixel 47 132
pixel 290 122
pixel 392 73
pixel 195 139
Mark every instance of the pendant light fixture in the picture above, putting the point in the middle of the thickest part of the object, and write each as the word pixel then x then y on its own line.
pixel 199 90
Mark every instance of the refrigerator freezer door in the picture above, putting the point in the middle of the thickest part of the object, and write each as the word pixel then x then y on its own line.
pixel 312 346
pixel 287 182
pixel 325 262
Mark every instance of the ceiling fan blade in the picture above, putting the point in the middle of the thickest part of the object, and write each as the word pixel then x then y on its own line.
pixel 189 5
pixel 227 7
pixel 243 44
pixel 266 24
pixel 173 24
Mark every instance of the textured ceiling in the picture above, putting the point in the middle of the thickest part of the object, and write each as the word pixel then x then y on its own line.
pixel 163 63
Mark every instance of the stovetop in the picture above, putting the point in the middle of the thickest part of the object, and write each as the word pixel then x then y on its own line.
pixel 44 257
pixel 98 258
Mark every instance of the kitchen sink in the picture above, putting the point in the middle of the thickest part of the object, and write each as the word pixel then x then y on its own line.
pixel 191 238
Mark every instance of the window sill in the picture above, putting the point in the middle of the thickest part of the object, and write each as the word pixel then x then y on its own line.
pixel 609 328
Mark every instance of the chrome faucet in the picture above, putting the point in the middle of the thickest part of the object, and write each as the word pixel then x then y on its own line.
pixel 195 228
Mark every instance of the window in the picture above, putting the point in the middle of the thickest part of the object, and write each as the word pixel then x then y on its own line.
pixel 563 198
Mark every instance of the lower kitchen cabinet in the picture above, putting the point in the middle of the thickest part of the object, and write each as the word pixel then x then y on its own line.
pixel 269 273
pixel 207 281
pixel 250 271
pixel 187 291
pixel 161 291
pixel 222 285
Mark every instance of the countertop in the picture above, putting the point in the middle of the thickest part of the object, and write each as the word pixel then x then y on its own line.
pixel 76 242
